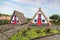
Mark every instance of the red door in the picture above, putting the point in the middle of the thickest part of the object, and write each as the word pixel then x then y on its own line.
pixel 39 23
pixel 15 20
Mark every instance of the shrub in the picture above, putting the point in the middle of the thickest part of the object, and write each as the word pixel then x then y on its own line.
pixel 3 22
pixel 33 33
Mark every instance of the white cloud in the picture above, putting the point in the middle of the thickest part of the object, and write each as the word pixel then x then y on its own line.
pixel 9 6
pixel 23 1
pixel 34 2
pixel 54 4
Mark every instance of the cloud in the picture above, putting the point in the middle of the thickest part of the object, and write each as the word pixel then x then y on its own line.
pixel 34 2
pixel 28 6
pixel 9 7
pixel 22 1
pixel 55 4
pixel 40 3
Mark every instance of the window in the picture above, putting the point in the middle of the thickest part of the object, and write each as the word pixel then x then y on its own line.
pixel 12 20
pixel 43 20
pixel 35 20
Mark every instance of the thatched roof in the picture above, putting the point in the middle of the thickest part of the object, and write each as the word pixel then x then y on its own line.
pixel 20 16
pixel 40 10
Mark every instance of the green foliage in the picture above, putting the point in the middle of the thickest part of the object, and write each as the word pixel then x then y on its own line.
pixel 54 31
pixel 59 18
pixel 31 34
pixel 24 32
pixel 23 38
pixel 42 32
pixel 34 32
pixel 4 15
pixel 54 17
pixel 28 28
pixel 3 22
pixel 13 38
pixel 47 30
pixel 28 19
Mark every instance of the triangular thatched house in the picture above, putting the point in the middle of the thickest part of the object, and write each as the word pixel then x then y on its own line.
pixel 40 21
pixel 20 17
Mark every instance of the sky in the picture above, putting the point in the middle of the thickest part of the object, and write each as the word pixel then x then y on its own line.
pixel 30 7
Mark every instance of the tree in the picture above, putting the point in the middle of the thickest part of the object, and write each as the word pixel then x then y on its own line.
pixel 0 14
pixel 54 17
pixel 59 18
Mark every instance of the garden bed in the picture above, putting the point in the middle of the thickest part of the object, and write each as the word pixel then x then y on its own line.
pixel 48 37
pixel 34 33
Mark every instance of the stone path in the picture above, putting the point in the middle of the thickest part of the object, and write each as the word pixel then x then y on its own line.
pixel 11 32
pixel 3 37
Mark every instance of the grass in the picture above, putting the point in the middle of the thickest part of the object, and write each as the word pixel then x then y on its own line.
pixel 34 32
